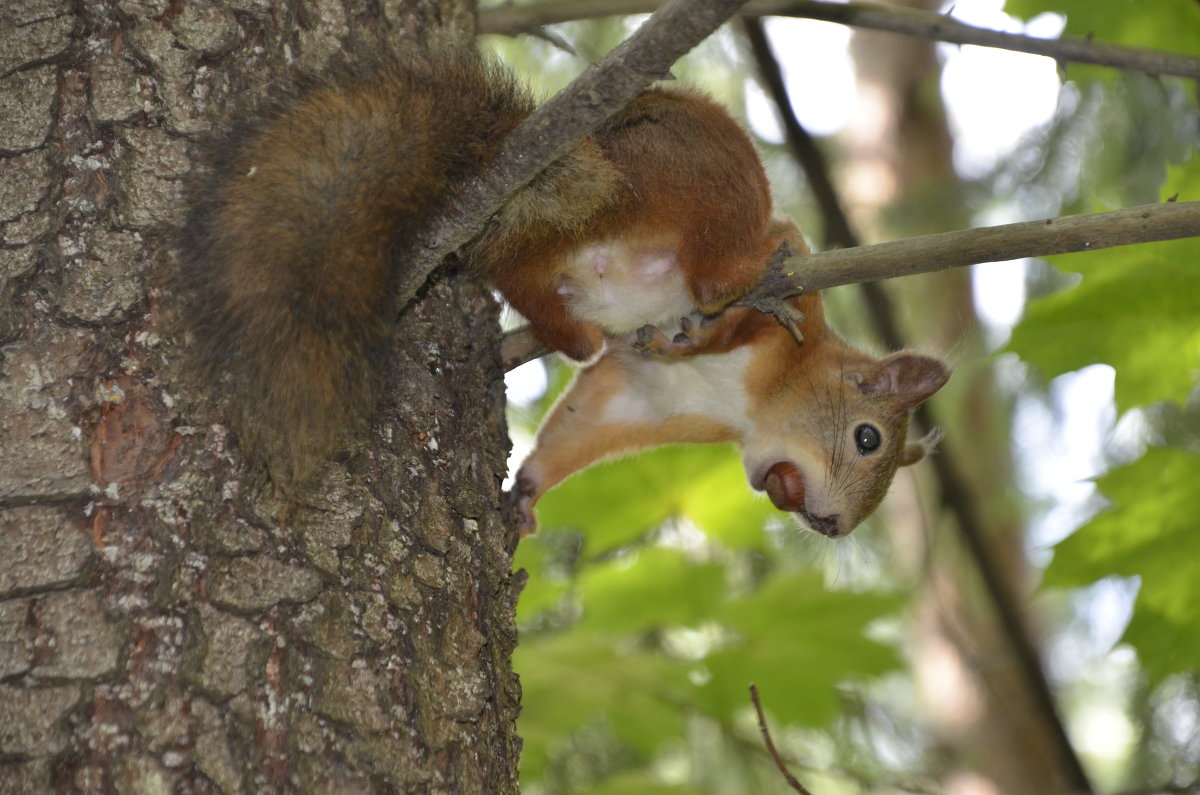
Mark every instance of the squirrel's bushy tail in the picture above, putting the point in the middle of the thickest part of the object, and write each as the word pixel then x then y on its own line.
pixel 287 260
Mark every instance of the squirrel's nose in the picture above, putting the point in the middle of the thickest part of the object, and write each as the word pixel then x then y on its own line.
pixel 825 525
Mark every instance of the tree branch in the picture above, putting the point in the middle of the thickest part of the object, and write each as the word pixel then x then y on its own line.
pixel 553 129
pixel 515 19
pixel 770 743
pixel 929 253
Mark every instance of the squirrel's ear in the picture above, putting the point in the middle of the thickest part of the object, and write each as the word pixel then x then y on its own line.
pixel 911 377
pixel 915 451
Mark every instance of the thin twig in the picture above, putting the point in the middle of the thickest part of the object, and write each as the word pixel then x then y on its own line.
pixel 514 19
pixel 553 129
pixel 955 499
pixel 766 733
pixel 520 346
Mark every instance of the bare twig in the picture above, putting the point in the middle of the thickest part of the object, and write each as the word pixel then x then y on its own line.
pixel 766 733
pixel 928 253
pixel 520 346
pixel 956 500
pixel 514 19
pixel 604 88
pixel 925 24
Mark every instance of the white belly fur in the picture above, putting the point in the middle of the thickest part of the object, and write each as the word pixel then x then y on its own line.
pixel 711 385
pixel 622 285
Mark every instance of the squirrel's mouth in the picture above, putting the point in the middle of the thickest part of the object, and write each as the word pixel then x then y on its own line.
pixel 784 484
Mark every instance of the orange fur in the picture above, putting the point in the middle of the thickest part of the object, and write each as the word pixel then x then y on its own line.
pixel 290 252
pixel 793 408
pixel 683 168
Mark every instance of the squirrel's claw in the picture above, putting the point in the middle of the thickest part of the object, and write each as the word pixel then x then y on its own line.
pixel 694 333
pixel 650 341
pixel 772 293
pixel 520 502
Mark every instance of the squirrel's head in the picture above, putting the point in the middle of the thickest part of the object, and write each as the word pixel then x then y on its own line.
pixel 835 438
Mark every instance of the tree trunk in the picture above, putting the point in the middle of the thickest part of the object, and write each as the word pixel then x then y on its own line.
pixel 160 627
pixel 982 705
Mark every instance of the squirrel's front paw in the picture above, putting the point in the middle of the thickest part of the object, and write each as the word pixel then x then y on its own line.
pixel 693 334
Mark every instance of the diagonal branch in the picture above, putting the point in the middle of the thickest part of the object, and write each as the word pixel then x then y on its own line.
pixel 514 19
pixel 553 129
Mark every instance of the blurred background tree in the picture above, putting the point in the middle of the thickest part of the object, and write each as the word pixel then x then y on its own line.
pixel 1021 614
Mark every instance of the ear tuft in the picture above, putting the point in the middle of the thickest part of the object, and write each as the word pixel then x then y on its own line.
pixel 915 451
pixel 911 377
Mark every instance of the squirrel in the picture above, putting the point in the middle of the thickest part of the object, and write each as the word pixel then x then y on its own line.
pixel 294 238
pixel 822 426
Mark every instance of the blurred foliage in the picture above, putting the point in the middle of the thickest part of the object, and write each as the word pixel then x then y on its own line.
pixel 1151 531
pixel 656 592
pixel 1136 309
pixel 660 587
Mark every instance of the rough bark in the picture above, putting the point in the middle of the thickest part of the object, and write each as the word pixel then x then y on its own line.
pixel 164 624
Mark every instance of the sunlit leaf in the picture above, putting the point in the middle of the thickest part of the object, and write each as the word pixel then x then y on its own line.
pixel 798 641
pixel 575 677
pixel 1135 309
pixel 618 502
pixel 1152 530
pixel 1162 25
pixel 656 587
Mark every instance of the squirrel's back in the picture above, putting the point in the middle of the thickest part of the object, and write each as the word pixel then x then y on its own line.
pixel 289 253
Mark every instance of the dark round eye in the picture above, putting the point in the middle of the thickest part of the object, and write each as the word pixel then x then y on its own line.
pixel 867 439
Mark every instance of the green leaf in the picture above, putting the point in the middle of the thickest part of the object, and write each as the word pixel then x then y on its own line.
pixel 1135 309
pixel 1152 531
pixel 798 641
pixel 654 587
pixel 571 678
pixel 617 503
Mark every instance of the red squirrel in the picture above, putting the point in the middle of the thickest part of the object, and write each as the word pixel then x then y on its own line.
pixel 289 255
pixel 822 426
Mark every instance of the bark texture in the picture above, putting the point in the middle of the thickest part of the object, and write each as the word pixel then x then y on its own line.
pixel 165 623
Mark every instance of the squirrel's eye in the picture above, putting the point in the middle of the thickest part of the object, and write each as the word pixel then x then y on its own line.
pixel 867 439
